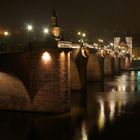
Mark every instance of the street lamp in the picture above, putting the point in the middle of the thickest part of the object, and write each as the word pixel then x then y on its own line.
pixel 82 37
pixel 6 33
pixel 101 44
pixel 79 33
pixel 45 31
pixel 29 28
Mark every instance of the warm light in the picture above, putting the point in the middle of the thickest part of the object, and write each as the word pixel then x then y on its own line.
pixel 84 132
pixel 45 30
pixel 102 53
pixel 46 57
pixel 29 27
pixel 95 44
pixel 6 33
pixel 83 52
pixel 101 40
pixel 79 33
pixel 111 44
pixel 112 110
pixel 123 51
pixel 84 34
pixel 62 54
pixel 101 119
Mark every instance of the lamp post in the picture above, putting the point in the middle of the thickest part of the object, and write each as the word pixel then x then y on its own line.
pixel 101 41
pixel 6 33
pixel 45 31
pixel 29 28
pixel 82 37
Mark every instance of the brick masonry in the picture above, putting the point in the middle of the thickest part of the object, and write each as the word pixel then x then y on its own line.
pixel 35 84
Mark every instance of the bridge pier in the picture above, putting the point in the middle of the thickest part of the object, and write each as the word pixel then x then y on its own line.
pixel 78 69
pixel 117 67
pixel 94 67
pixel 75 83
pixel 108 65
pixel 126 63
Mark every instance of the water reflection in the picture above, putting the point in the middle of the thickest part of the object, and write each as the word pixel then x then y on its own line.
pixel 112 110
pixel 84 131
pixel 101 118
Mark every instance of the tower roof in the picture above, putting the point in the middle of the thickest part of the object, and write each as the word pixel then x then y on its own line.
pixel 53 12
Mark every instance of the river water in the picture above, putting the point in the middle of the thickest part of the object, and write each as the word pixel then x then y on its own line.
pixel 107 110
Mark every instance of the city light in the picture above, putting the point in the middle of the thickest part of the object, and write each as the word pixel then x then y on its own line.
pixel 101 118
pixel 84 35
pixel 29 27
pixel 101 40
pixel 6 33
pixel 111 44
pixel 45 30
pixel 79 33
pixel 46 57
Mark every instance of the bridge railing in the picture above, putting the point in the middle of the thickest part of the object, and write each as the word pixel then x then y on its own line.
pixel 68 44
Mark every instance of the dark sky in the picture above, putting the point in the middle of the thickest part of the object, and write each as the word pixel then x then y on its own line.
pixel 83 15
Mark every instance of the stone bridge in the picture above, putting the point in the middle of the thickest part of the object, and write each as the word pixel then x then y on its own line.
pixel 41 80
pixel 89 65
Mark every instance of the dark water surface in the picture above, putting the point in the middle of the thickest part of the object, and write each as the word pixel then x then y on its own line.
pixel 108 110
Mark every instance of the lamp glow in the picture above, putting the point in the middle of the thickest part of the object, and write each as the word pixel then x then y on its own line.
pixel 45 30
pixel 6 33
pixel 46 57
pixel 29 27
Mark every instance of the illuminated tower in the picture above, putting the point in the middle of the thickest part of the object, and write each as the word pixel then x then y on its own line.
pixel 55 29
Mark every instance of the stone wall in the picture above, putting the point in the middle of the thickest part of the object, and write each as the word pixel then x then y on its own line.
pixel 39 81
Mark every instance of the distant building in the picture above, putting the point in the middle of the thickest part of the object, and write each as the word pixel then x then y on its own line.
pixel 128 43
pixel 124 44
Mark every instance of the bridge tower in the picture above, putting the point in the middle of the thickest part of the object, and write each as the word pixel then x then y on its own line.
pixel 55 29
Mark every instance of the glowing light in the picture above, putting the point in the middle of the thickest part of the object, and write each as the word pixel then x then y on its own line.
pixel 84 132
pixel 95 44
pixel 112 110
pixel 102 53
pixel 46 57
pixel 101 40
pixel 83 52
pixel 101 119
pixel 111 44
pixel 29 27
pixel 84 34
pixel 45 30
pixel 123 51
pixel 62 54
pixel 79 33
pixel 6 33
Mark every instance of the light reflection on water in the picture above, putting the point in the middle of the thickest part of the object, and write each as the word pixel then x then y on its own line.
pixel 92 112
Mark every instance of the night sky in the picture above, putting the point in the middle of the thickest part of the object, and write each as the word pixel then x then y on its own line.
pixel 85 15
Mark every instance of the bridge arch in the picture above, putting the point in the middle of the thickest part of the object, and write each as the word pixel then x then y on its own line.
pixel 13 93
